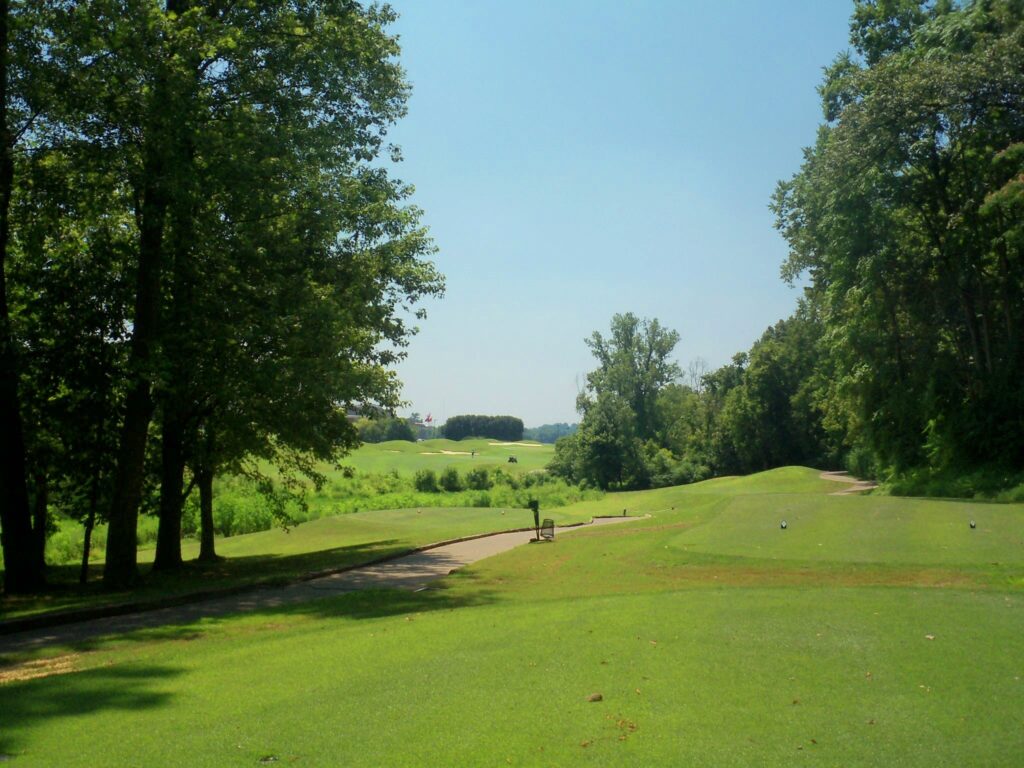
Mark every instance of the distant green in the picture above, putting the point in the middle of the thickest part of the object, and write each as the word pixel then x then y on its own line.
pixel 406 457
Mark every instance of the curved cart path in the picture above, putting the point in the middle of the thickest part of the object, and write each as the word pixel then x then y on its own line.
pixel 409 572
pixel 856 486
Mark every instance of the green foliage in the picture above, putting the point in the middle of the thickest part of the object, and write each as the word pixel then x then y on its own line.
pixel 496 427
pixel 620 407
pixel 478 479
pixel 450 480
pixel 383 430
pixel 549 433
pixel 426 481
pixel 906 216
pixel 633 365
pixel 992 483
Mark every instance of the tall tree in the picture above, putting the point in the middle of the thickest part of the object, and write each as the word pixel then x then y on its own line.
pixel 633 363
pixel 620 406
pixel 895 216
pixel 315 246
pixel 22 571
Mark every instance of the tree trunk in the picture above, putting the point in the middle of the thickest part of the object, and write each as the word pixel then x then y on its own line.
pixel 168 539
pixel 120 570
pixel 207 552
pixel 23 570
pixel 40 503
pixel 90 523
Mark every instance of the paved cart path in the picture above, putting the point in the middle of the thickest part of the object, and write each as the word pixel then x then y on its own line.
pixel 856 485
pixel 409 572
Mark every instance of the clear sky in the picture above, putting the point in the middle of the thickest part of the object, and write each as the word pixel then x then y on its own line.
pixel 578 158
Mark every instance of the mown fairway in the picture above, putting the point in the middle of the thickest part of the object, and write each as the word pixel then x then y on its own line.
pixel 873 631
pixel 406 458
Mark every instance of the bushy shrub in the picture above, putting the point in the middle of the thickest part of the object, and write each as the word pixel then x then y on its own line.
pixel 425 481
pixel 450 480
pixel 65 545
pixel 993 483
pixel 860 462
pixel 479 479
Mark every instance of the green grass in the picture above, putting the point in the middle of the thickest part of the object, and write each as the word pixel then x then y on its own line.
pixel 714 638
pixel 406 457
pixel 330 542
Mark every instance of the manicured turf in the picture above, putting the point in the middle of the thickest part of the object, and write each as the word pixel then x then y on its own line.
pixel 713 637
pixel 406 457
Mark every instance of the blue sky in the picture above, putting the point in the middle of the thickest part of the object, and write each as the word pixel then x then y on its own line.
pixel 578 158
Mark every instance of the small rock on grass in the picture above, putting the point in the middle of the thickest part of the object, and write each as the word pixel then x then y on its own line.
pixel 595 697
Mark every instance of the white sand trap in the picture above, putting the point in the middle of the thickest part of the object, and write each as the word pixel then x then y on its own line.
pixel 429 453
pixel 455 453
pixel 391 450
pixel 517 445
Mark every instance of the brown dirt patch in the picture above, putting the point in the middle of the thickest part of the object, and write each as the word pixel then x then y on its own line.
pixel 32 670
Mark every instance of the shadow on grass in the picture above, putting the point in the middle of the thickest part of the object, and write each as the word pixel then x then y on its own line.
pixel 372 592
pixel 381 603
pixel 64 592
pixel 105 689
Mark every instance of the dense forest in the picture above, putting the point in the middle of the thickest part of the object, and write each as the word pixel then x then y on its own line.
pixel 904 357
pixel 203 262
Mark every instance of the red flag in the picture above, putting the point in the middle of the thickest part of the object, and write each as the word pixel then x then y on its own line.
pixel 428 419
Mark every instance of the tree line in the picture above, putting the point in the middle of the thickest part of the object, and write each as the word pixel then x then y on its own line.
pixel 203 259
pixel 907 219
pixel 507 428
pixel 549 433
pixel 382 429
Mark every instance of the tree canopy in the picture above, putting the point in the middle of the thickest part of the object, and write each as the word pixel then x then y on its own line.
pixel 205 261
pixel 906 218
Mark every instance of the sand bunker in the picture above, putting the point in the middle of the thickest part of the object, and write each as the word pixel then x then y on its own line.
pixel 517 445
pixel 455 453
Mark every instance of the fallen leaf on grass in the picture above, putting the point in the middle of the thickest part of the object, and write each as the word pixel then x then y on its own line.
pixel 595 697
pixel 929 637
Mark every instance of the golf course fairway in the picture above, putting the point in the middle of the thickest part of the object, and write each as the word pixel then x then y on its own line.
pixel 872 631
